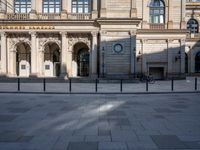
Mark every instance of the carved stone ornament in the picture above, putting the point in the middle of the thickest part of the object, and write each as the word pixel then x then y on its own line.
pixel 50 38
pixel 15 40
pixel 79 38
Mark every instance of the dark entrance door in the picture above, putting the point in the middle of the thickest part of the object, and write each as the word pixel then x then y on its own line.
pixel 197 62
pixel 83 63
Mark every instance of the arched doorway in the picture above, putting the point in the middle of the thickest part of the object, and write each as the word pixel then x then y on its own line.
pixel 81 60
pixel 186 63
pixel 51 60
pixel 23 60
pixel 197 62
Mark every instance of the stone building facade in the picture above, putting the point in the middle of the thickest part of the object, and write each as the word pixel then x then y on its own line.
pixel 99 38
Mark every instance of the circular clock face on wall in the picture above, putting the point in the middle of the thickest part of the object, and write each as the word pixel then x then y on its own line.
pixel 118 48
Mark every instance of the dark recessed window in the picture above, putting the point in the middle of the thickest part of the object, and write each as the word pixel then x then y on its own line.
pixel 22 6
pixel 51 6
pixel 81 6
pixel 193 26
pixel 157 11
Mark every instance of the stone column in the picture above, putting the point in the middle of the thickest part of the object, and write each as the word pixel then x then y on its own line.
pixel 64 54
pixel 3 54
pixel 103 8
pixel 12 63
pixel 64 9
pixel 94 11
pixel 3 4
pixel 102 53
pixel 133 9
pixel 94 54
pixel 133 52
pixel 169 57
pixel 170 14
pixel 182 49
pixel 34 54
pixel 33 10
pixel 144 61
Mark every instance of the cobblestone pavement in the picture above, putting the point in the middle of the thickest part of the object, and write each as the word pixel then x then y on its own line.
pixel 99 122
pixel 187 85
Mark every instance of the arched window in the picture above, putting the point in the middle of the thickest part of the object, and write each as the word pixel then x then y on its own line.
pixel 197 62
pixel 193 26
pixel 81 6
pixel 51 6
pixel 22 6
pixel 157 11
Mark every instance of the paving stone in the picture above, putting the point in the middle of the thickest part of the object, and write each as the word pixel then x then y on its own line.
pixel 104 132
pixel 168 141
pixel 112 146
pixel 192 144
pixel 179 106
pixel 25 139
pixel 166 110
pixel 90 138
pixel 18 110
pixel 116 113
pixel 119 122
pixel 7 118
pixel 10 136
pixel 83 146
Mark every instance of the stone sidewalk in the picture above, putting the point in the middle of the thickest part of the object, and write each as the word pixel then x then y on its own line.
pixel 99 122
pixel 187 85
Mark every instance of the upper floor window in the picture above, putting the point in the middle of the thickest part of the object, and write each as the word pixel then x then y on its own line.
pixel 193 26
pixel 51 6
pixel 22 6
pixel 81 6
pixel 157 11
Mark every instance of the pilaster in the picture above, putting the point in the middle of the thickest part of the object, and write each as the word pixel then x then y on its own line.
pixel 94 54
pixel 34 54
pixel 94 11
pixel 33 10
pixel 64 9
pixel 3 53
pixel 170 15
pixel 3 9
pixel 103 9
pixel 133 9
pixel 133 52
pixel 64 54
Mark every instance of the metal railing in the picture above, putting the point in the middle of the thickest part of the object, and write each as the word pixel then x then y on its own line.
pixel 18 16
pixel 46 85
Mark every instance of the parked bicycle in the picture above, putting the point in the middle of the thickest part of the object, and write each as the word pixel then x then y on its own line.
pixel 149 78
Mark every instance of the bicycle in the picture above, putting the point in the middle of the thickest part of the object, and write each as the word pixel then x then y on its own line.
pixel 149 79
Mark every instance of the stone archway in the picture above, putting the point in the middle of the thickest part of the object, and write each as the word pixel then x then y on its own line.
pixel 80 60
pixel 51 60
pixel 22 57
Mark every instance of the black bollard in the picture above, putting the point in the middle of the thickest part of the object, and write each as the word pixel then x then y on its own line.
pixel 172 85
pixel 18 84
pixel 44 84
pixel 121 85
pixel 70 85
pixel 147 86
pixel 96 85
pixel 195 84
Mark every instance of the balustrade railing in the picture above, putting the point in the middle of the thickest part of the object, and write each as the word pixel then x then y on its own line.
pixel 79 16
pixel 18 16
pixel 156 26
pixel 48 16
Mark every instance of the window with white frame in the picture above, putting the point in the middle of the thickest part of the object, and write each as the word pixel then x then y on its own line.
pixel 81 6
pixel 22 6
pixel 157 11
pixel 51 6
pixel 193 26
